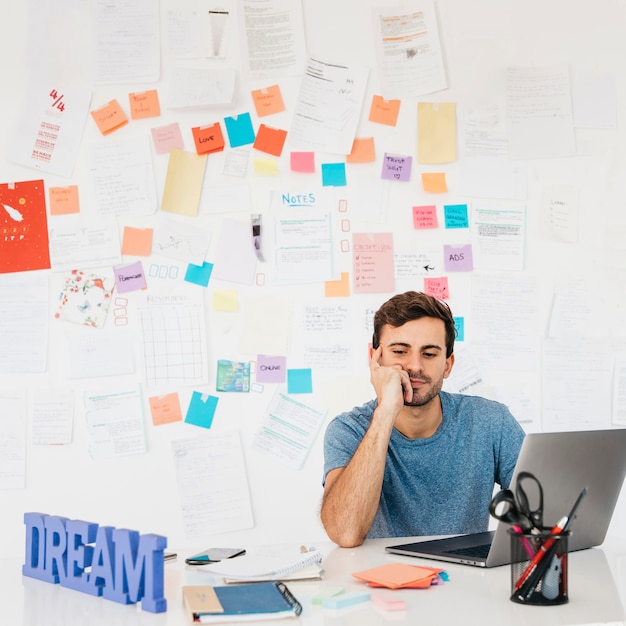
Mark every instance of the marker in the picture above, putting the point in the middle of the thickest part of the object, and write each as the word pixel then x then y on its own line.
pixel 561 526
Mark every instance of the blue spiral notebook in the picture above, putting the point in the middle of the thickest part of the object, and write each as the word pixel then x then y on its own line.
pixel 241 602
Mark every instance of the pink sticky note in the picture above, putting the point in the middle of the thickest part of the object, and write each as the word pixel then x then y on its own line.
pixel 372 262
pixel 167 137
pixel 303 162
pixel 437 287
pixel 425 217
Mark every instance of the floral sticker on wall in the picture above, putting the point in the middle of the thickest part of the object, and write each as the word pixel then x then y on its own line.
pixel 85 298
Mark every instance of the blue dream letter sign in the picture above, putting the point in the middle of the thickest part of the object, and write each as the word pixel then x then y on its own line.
pixel 124 566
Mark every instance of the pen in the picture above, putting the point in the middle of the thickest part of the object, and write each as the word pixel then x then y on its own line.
pixel 561 526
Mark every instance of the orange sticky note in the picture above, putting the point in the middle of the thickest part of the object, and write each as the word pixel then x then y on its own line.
pixel 268 100
pixel 165 409
pixel 434 182
pixel 384 111
pixel 208 138
pixel 363 151
pixel 270 140
pixel 137 241
pixel 144 104
pixel 64 200
pixel 109 117
pixel 338 288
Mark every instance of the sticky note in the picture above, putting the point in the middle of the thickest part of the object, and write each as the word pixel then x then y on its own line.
pixel 201 410
pixel 183 182
pixel 239 130
pixel 396 167
pixel 456 216
pixel 363 151
pixel 109 117
pixel 425 217
pixel 459 324
pixel 270 140
pixel 137 241
pixel 346 599
pixel 64 200
pixel 271 369
pixel 434 182
pixel 303 162
pixel 268 100
pixel 165 409
pixel 338 288
pixel 436 132
pixel 437 287
pixel 129 278
pixel 388 602
pixel 384 111
pixel 225 300
pixel 327 591
pixel 299 381
pixel 458 258
pixel 265 166
pixel 144 104
pixel 208 138
pixel 167 137
pixel 199 274
pixel 334 174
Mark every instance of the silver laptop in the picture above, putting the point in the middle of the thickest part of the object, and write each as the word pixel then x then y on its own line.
pixel 564 463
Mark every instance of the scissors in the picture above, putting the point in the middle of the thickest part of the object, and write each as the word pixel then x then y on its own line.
pixel 515 509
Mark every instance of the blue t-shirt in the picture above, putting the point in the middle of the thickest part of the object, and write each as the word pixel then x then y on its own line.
pixel 442 484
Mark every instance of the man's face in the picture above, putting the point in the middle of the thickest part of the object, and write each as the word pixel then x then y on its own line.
pixel 419 348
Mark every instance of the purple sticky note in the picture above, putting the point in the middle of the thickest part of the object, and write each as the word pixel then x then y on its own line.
pixel 458 258
pixel 397 167
pixel 129 278
pixel 271 369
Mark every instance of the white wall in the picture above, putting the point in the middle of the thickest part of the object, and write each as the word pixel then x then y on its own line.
pixel 480 40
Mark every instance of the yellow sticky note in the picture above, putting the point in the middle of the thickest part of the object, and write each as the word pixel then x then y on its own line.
pixel 363 151
pixel 144 104
pixel 436 132
pixel 109 117
pixel 338 288
pixel 434 182
pixel 183 182
pixel 64 200
pixel 265 166
pixel 225 300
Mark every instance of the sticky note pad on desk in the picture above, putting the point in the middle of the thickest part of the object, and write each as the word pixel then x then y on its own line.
pixel 345 599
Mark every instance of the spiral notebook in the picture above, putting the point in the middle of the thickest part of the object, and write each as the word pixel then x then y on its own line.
pixel 207 604
pixel 260 567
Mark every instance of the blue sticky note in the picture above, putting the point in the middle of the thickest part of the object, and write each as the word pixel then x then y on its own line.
pixel 459 324
pixel 299 381
pixel 456 216
pixel 334 174
pixel 239 129
pixel 346 599
pixel 199 274
pixel 201 410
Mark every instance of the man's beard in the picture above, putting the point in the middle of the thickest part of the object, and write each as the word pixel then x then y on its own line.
pixel 423 399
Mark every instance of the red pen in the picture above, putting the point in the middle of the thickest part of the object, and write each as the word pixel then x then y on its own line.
pixel 545 546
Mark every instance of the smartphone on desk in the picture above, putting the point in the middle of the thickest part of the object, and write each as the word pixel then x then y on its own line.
pixel 214 555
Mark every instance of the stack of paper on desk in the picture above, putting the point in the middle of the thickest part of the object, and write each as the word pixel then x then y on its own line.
pixel 257 568
pixel 401 576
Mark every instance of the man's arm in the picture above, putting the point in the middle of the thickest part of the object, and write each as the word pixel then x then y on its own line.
pixel 352 493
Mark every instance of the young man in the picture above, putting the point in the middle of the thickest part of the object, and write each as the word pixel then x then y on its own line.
pixel 416 460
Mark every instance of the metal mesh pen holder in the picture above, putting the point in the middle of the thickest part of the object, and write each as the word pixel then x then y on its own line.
pixel 539 568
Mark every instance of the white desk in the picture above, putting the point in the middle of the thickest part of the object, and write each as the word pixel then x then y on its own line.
pixel 597 591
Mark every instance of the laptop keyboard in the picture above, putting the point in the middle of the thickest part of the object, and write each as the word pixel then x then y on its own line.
pixel 475 551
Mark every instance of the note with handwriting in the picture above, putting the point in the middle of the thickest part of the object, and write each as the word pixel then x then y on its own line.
pixel 109 117
pixel 268 100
